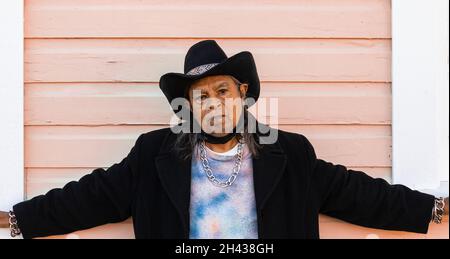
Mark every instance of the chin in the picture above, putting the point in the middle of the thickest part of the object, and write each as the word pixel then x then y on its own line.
pixel 222 132
pixel 216 133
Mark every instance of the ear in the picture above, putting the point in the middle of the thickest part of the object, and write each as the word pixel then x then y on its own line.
pixel 243 89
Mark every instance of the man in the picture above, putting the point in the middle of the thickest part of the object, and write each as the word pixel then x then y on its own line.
pixel 221 174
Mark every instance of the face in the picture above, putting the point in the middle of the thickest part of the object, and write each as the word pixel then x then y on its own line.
pixel 217 103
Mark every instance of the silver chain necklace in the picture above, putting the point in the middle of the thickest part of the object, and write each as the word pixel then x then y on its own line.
pixel 208 171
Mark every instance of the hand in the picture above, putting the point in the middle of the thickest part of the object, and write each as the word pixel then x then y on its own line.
pixel 4 219
pixel 446 206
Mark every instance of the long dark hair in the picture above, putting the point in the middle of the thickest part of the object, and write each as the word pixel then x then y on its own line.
pixel 186 142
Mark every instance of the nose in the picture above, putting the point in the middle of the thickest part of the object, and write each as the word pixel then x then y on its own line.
pixel 213 103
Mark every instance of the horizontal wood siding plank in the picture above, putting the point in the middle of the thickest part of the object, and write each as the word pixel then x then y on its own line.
pixel 331 228
pixel 131 103
pixel 144 60
pixel 122 230
pixel 201 18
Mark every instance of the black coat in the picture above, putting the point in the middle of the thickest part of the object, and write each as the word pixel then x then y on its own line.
pixel 292 187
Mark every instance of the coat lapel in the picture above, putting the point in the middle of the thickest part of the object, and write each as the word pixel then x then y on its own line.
pixel 175 176
pixel 268 168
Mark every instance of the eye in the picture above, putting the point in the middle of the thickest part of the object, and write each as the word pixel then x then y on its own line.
pixel 201 98
pixel 222 91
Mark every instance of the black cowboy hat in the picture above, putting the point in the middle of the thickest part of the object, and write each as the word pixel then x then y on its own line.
pixel 206 58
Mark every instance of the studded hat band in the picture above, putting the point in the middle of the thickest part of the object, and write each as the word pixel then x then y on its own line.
pixel 201 69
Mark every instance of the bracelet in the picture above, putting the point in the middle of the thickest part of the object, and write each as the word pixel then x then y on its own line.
pixel 13 226
pixel 438 210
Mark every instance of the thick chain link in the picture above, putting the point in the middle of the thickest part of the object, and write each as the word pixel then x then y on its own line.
pixel 438 210
pixel 209 173
pixel 13 226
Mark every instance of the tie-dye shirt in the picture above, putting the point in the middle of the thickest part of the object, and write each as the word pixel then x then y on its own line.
pixel 221 213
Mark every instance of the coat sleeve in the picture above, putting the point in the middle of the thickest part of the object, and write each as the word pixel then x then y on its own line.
pixel 355 197
pixel 101 197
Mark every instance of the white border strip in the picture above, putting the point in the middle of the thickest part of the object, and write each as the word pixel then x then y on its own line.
pixel 11 103
pixel 419 78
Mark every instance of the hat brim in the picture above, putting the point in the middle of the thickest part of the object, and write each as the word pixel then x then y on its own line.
pixel 241 66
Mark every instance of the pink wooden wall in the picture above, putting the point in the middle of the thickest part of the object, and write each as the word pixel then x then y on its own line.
pixel 92 71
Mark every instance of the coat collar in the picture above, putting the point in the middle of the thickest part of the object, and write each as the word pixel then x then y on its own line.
pixel 175 175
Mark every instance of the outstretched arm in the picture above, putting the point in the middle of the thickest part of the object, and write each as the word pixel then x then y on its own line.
pixel 355 197
pixel 101 197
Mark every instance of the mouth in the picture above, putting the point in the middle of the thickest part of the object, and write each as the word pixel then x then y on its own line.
pixel 217 118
